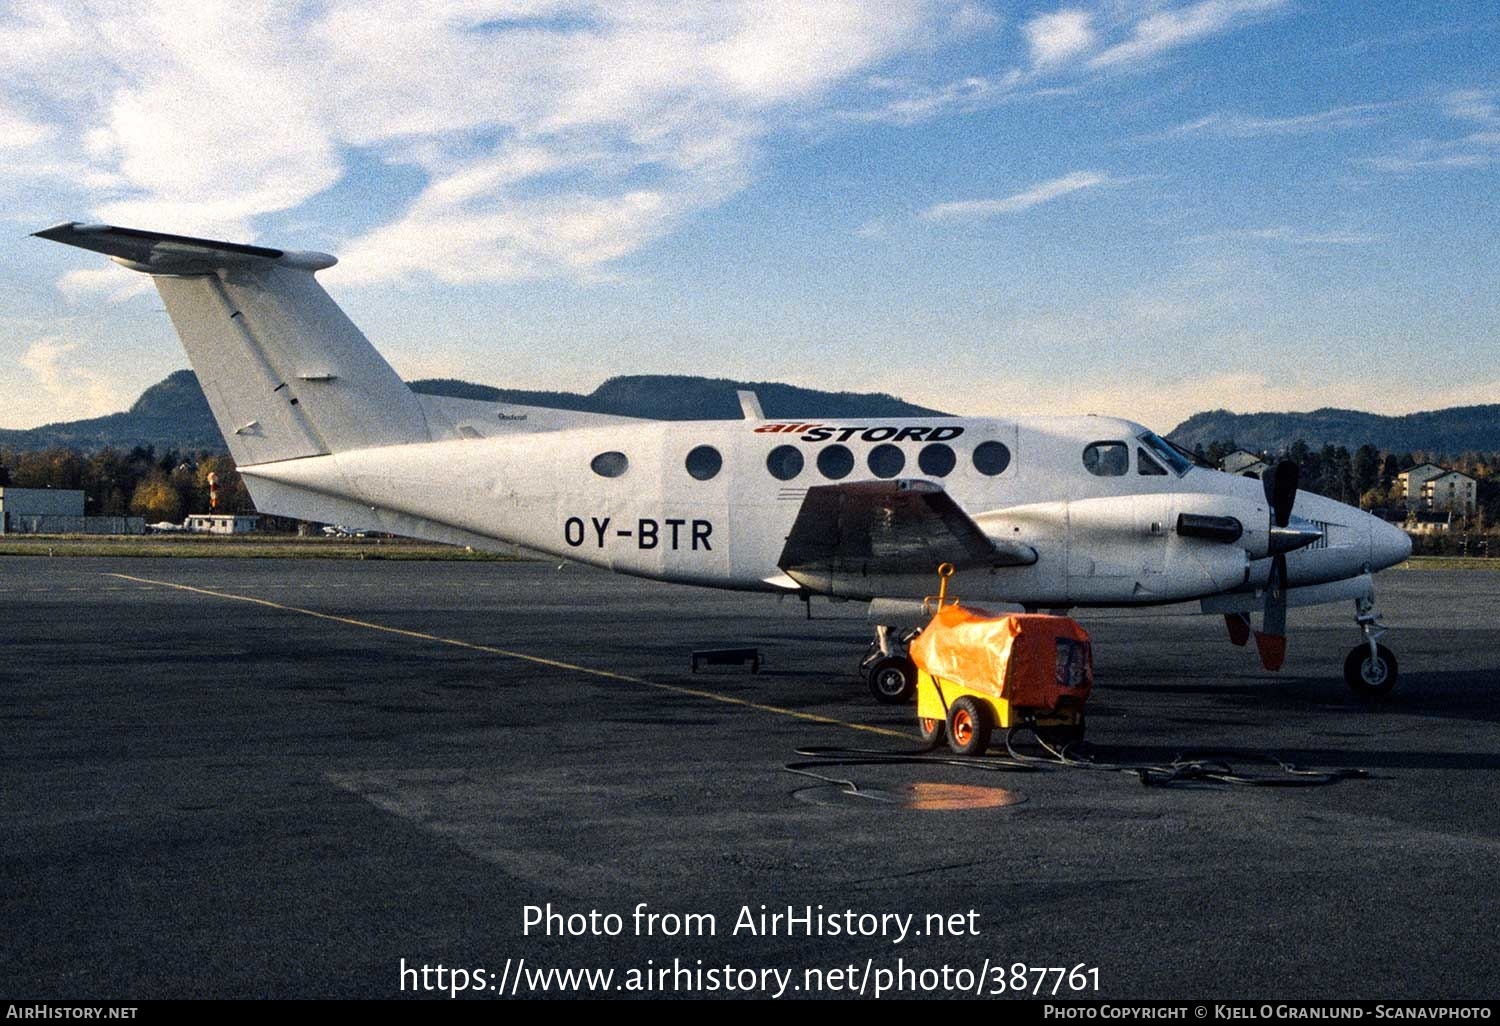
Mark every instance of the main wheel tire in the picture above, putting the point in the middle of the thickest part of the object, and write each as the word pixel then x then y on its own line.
pixel 932 732
pixel 969 726
pixel 893 680
pixel 1370 678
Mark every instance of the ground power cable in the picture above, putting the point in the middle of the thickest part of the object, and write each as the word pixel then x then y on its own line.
pixel 1188 767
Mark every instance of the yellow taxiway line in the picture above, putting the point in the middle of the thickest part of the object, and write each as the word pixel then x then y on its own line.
pixel 712 696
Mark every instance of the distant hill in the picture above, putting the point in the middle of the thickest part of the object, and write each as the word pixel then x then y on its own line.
pixel 1452 431
pixel 173 414
pixel 680 397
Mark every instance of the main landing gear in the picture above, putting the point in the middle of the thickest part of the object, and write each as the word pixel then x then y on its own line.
pixel 1370 668
pixel 888 669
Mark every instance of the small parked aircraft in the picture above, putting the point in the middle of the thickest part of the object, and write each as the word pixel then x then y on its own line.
pixel 1043 512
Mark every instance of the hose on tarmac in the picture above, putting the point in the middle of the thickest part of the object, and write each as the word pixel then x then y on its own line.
pixel 1188 767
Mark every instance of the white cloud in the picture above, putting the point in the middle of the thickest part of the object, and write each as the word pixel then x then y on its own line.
pixel 968 210
pixel 1482 105
pixel 19 132
pixel 111 281
pixel 1294 236
pixel 73 391
pixel 1057 37
pixel 510 240
pixel 1428 155
pixel 555 136
pixel 608 138
pixel 1471 150
pixel 1169 29
pixel 1231 125
pixel 906 103
pixel 1056 43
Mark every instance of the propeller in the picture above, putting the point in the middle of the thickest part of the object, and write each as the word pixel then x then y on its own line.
pixel 1280 483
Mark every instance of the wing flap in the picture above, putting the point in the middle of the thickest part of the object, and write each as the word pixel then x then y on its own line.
pixel 888 527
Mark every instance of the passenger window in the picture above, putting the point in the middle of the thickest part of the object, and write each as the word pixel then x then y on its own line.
pixel 936 460
pixel 991 458
pixel 835 462
pixel 784 462
pixel 1106 459
pixel 704 462
pixel 1146 465
pixel 610 464
pixel 886 461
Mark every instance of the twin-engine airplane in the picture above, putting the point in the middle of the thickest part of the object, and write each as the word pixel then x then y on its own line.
pixel 1048 513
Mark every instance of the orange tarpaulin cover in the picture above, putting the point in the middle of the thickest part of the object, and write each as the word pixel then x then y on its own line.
pixel 1016 657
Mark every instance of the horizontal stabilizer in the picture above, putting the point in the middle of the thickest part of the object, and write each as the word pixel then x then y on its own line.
pixel 160 253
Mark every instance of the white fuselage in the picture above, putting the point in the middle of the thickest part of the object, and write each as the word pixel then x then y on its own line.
pixel 1100 539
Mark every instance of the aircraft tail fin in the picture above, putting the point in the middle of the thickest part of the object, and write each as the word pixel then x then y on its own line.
pixel 285 371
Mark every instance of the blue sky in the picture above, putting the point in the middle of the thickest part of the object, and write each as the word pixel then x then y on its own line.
pixel 1136 208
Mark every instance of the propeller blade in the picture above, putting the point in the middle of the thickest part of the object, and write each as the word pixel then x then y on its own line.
pixel 1280 483
pixel 1272 648
pixel 1239 627
pixel 1271 638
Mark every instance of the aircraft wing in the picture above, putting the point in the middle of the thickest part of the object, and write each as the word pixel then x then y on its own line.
pixel 888 527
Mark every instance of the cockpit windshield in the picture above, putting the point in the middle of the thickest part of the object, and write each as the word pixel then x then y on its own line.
pixel 1166 452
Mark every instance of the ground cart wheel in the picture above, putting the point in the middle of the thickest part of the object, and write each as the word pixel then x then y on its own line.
pixel 931 731
pixel 969 726
pixel 1368 677
pixel 893 680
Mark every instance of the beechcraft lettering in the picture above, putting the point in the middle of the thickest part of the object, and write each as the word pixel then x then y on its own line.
pixel 886 433
pixel 673 533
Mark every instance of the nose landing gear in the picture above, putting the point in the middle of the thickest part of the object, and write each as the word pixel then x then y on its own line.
pixel 1370 668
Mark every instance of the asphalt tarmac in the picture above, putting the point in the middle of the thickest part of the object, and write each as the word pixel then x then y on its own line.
pixel 376 762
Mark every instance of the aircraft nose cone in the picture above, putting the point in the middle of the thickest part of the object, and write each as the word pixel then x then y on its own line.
pixel 1389 544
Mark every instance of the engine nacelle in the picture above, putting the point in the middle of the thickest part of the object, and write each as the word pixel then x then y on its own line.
pixel 1204 518
pixel 1147 547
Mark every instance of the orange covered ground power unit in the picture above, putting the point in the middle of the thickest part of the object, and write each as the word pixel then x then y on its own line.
pixel 977 672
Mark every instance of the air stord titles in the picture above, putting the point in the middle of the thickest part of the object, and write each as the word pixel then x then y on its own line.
pixel 881 433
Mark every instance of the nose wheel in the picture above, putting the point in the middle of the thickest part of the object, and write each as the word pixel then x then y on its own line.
pixel 1370 668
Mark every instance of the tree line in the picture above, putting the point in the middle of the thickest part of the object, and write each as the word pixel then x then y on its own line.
pixel 138 482
pixel 1367 476
pixel 172 484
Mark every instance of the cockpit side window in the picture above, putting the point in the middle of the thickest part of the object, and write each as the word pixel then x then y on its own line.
pixel 1106 459
pixel 1146 465
pixel 1167 454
